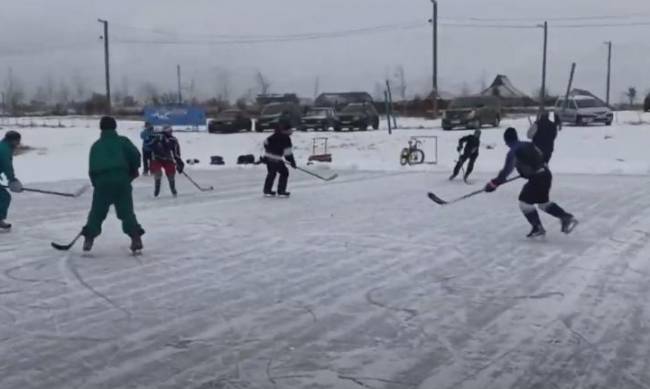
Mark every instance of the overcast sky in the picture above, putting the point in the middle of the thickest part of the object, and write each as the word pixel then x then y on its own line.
pixel 43 39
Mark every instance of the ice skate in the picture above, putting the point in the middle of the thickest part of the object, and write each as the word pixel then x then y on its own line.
pixel 537 231
pixel 569 223
pixel 88 243
pixel 136 244
pixel 4 226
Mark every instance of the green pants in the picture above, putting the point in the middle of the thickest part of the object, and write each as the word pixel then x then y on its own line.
pixel 121 196
pixel 5 200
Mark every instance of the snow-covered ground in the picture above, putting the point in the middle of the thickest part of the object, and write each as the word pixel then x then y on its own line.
pixel 61 153
pixel 357 283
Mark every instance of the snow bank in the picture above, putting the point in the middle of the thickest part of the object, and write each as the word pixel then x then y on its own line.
pixel 61 153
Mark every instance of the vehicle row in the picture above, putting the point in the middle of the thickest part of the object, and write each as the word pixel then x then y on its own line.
pixel 474 112
pixel 331 111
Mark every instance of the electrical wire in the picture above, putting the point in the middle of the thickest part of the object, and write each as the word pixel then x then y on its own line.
pixel 559 18
pixel 276 38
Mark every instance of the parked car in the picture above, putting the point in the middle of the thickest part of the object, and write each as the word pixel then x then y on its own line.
pixel 646 103
pixel 271 114
pixel 340 100
pixel 229 121
pixel 359 115
pixel 321 119
pixel 472 112
pixel 583 110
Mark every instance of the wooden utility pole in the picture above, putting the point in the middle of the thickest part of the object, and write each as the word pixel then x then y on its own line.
pixel 107 65
pixel 178 76
pixel 543 90
pixel 609 69
pixel 434 23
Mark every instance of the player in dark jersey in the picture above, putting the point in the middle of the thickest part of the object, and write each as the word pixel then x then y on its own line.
pixel 528 160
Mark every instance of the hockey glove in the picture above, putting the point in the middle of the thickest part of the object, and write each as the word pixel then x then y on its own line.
pixel 292 161
pixel 180 166
pixel 491 186
pixel 16 186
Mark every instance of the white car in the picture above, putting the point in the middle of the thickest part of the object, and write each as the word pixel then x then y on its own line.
pixel 583 110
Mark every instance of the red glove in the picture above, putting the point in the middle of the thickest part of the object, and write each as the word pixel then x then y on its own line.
pixel 491 186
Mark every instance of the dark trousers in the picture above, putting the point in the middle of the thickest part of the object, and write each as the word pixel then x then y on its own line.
pixel 274 168
pixel 120 196
pixel 470 165
pixel 547 156
pixel 146 160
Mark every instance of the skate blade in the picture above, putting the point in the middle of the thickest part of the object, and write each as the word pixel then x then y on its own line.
pixel 571 226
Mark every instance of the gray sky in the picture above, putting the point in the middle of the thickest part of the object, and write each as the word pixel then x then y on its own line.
pixel 43 39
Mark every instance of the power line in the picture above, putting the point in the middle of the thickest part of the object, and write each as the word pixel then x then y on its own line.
pixel 559 18
pixel 277 38
pixel 255 37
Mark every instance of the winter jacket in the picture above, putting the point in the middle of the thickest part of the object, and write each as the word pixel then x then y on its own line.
pixel 472 144
pixel 147 136
pixel 526 158
pixel 277 147
pixel 113 159
pixel 166 148
pixel 6 161
pixel 544 137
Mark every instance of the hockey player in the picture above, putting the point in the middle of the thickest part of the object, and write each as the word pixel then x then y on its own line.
pixel 7 147
pixel 166 156
pixel 147 136
pixel 529 162
pixel 472 145
pixel 543 133
pixel 114 164
pixel 277 148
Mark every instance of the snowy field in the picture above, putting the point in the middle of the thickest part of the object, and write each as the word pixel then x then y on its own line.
pixel 357 283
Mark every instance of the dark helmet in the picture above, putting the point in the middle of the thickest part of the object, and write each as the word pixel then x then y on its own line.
pixel 107 123
pixel 12 136
pixel 510 136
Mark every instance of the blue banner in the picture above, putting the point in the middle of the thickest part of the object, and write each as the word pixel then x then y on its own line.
pixel 178 115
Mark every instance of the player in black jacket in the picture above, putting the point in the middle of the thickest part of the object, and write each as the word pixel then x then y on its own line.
pixel 529 162
pixel 543 133
pixel 472 144
pixel 277 148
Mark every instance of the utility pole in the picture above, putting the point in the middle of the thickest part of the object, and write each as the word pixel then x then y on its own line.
pixel 107 65
pixel 543 90
pixel 434 23
pixel 609 69
pixel 178 75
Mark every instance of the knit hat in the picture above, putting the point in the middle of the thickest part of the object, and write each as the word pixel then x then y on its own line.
pixel 107 123
pixel 12 136
pixel 510 136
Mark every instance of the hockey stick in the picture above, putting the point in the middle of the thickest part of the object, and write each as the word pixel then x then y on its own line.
pixel 78 193
pixel 313 174
pixel 432 196
pixel 199 187
pixel 66 247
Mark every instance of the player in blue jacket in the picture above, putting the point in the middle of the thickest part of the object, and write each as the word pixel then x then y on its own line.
pixel 529 162
pixel 147 135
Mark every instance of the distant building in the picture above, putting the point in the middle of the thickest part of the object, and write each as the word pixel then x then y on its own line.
pixel 507 93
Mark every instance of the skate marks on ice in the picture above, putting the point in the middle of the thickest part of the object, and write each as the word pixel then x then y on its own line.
pixel 68 268
pixel 594 335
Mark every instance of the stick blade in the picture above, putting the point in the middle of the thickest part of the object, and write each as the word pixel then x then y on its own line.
pixel 61 247
pixel 432 196
pixel 81 190
pixel 332 177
